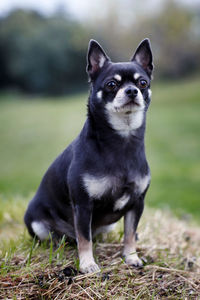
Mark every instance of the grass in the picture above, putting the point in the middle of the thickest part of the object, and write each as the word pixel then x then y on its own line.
pixel 30 270
pixel 33 133
pixel 173 148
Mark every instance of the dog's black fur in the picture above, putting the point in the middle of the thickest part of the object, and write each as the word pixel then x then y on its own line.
pixel 105 163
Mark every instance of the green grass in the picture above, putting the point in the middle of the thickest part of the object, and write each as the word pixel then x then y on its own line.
pixel 173 147
pixel 34 132
pixel 169 248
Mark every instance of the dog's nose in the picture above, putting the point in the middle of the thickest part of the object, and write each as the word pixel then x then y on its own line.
pixel 131 92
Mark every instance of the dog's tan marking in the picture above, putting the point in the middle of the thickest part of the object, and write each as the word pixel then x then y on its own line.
pixel 142 183
pixel 131 257
pixel 118 77
pixel 149 93
pixel 86 259
pixel 136 76
pixel 121 202
pixel 99 94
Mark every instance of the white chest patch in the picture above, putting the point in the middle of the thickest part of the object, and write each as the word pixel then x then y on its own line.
pixel 142 183
pixel 121 202
pixel 97 186
pixel 126 124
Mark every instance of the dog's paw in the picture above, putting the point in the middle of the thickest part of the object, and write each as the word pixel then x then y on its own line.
pixel 133 260
pixel 89 267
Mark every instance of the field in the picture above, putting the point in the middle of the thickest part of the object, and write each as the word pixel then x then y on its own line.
pixel 34 132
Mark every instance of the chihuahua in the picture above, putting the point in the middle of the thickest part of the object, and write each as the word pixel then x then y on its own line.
pixel 103 174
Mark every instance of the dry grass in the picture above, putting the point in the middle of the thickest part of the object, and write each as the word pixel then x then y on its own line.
pixel 169 247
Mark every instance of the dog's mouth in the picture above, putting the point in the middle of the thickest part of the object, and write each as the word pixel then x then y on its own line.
pixel 131 103
pixel 129 107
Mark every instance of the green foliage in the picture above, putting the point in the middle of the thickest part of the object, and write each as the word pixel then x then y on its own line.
pixel 172 28
pixel 36 53
pixel 47 55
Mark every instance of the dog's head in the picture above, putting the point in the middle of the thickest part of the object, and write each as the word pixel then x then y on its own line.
pixel 120 90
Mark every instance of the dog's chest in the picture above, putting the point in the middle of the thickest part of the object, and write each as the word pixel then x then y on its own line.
pixel 119 189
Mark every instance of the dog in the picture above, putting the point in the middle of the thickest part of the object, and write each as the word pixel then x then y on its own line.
pixel 103 174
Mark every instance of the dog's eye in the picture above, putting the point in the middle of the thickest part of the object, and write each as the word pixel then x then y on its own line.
pixel 111 85
pixel 142 83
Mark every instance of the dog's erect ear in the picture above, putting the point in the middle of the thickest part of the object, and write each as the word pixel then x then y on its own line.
pixel 96 58
pixel 143 56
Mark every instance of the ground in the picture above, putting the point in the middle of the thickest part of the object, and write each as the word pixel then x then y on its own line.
pixel 170 249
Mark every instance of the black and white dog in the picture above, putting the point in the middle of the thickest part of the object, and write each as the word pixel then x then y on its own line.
pixel 103 174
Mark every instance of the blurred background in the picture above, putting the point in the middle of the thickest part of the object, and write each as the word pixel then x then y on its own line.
pixel 43 44
pixel 44 90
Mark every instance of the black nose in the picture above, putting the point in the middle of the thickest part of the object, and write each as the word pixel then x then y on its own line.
pixel 131 92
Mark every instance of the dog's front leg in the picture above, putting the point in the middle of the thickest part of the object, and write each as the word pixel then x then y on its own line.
pixel 131 220
pixel 82 221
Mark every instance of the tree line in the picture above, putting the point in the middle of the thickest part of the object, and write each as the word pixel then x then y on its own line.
pixel 47 55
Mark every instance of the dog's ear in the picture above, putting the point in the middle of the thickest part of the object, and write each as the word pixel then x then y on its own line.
pixel 96 58
pixel 143 56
